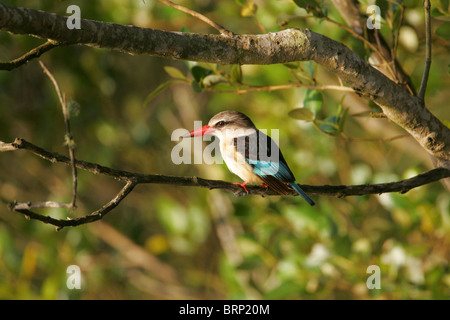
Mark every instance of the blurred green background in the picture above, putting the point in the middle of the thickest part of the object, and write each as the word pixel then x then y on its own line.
pixel 173 242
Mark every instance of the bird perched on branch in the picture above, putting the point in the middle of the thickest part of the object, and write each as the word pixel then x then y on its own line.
pixel 249 153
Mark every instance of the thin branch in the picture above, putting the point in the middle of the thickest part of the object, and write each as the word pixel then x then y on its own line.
pixel 94 216
pixel 285 46
pixel 348 29
pixel 401 186
pixel 34 53
pixel 352 139
pixel 68 138
pixel 396 37
pixel 199 16
pixel 250 88
pixel 426 71
pixel 367 42
pixel 39 205
pixel 132 179
pixel 343 136
pixel 350 11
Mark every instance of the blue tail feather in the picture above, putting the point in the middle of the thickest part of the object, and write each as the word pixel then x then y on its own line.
pixel 302 193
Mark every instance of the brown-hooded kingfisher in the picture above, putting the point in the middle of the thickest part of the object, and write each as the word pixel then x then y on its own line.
pixel 249 153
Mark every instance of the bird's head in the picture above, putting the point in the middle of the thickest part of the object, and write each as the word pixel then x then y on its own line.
pixel 229 123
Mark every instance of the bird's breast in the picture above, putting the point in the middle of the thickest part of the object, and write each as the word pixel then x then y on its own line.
pixel 237 164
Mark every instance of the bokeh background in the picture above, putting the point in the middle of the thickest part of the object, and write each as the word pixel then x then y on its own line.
pixel 173 242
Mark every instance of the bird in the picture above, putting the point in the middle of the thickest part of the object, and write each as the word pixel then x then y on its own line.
pixel 249 153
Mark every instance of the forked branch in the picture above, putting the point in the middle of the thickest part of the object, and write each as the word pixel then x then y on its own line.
pixel 132 179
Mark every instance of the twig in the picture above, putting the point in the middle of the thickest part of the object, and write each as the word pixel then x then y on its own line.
pixel 344 137
pixel 364 40
pixel 126 176
pixel 132 179
pixel 34 53
pixel 250 88
pixel 69 138
pixel 395 38
pixel 199 16
pixel 351 139
pixel 395 100
pixel 39 205
pixel 426 71
pixel 94 216
pixel 350 12
pixel 260 25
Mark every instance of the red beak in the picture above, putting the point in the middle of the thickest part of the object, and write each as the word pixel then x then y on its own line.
pixel 199 132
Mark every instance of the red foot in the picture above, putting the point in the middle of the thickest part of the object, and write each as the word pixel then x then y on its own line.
pixel 265 185
pixel 243 185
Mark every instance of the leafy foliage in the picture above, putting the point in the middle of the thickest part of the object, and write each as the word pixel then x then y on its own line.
pixel 219 246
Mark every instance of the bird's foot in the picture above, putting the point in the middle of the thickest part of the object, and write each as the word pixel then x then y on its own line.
pixel 243 185
pixel 265 185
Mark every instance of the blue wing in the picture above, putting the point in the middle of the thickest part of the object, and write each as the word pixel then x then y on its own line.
pixel 277 169
pixel 268 163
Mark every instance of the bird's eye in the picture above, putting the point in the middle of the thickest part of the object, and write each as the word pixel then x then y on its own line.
pixel 220 124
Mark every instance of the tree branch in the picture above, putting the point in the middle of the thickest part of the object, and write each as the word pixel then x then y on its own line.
pixel 132 179
pixel 60 223
pixel 68 138
pixel 426 71
pixel 35 53
pixel 199 16
pixel 349 10
pixel 281 47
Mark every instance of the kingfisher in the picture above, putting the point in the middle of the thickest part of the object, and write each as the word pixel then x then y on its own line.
pixel 249 153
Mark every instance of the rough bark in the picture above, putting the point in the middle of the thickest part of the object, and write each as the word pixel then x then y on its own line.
pixel 289 45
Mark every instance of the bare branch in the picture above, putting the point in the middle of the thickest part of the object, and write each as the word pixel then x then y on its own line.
pixel 199 16
pixel 280 47
pixel 69 138
pixel 426 71
pixel 35 53
pixel 132 179
pixel 39 205
pixel 249 88
pixel 350 12
pixel 94 216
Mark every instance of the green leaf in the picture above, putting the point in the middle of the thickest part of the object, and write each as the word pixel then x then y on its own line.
pixel 374 107
pixel 313 101
pixel 174 72
pixel 249 9
pixel 444 5
pixel 342 114
pixel 158 90
pixel 196 86
pixel 74 108
pixel 236 73
pixel 443 31
pixel 330 125
pixel 285 289
pixel 185 29
pixel 199 73
pixel 302 114
pixel 312 7
pixel 342 119
pixel 310 68
pixel 435 12
pixel 291 65
pixel 306 4
pixel 396 17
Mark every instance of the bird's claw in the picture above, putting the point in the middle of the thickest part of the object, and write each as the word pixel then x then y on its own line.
pixel 243 185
